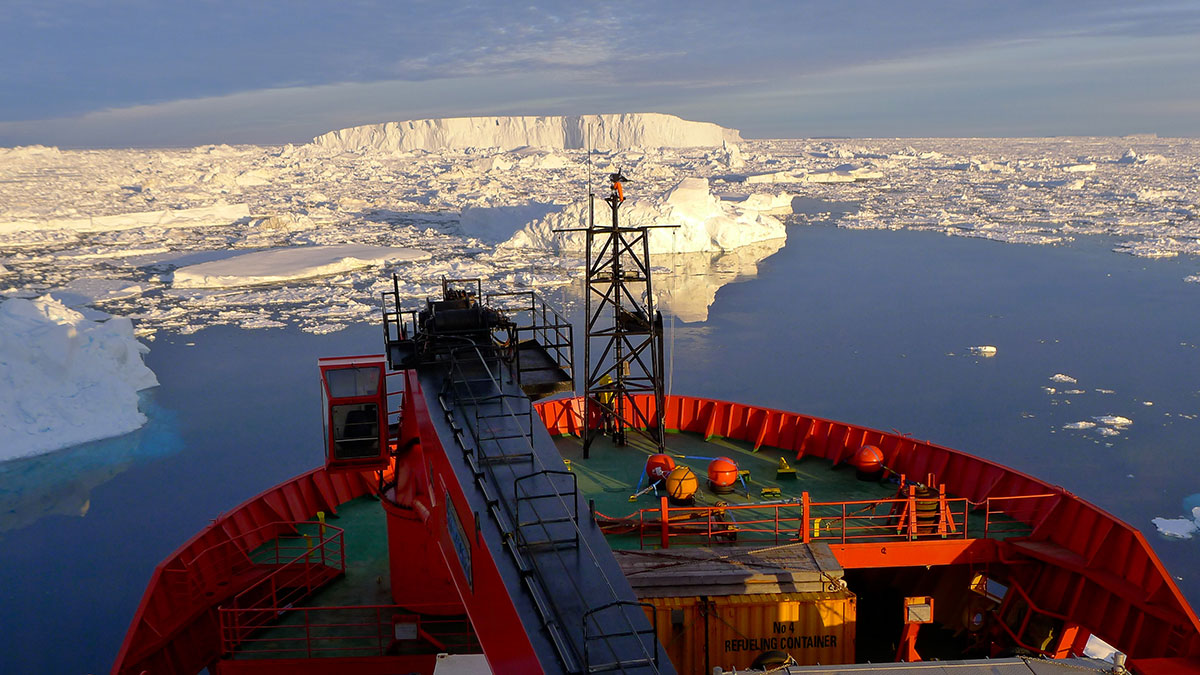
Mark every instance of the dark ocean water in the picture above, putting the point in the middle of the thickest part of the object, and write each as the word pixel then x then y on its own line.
pixel 867 327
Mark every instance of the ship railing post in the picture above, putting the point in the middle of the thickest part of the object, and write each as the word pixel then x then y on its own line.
pixel 666 534
pixel 776 523
pixel 912 511
pixel 805 512
pixel 307 633
pixel 379 630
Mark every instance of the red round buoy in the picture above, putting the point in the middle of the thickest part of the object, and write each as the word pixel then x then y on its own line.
pixel 722 473
pixel 869 462
pixel 659 466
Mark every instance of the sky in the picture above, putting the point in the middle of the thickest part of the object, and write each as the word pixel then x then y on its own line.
pixel 167 73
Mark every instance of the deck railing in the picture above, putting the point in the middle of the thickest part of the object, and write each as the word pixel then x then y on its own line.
pixel 344 631
pixel 909 518
pixel 535 317
pixel 304 563
pixel 198 577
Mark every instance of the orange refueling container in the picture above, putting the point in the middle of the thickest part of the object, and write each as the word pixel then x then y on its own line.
pixel 727 607
pixel 700 633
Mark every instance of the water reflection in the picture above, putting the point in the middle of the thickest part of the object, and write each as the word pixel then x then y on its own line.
pixel 691 280
pixel 60 483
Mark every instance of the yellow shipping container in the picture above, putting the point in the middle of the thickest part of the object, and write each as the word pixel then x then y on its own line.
pixel 731 631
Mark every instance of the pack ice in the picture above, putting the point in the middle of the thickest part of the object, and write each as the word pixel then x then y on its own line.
pixel 66 379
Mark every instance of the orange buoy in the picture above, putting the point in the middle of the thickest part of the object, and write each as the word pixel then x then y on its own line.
pixel 681 483
pixel 659 466
pixel 869 462
pixel 722 473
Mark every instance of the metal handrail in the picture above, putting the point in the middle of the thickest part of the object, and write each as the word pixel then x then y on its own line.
pixel 238 553
pixel 844 522
pixel 311 569
pixel 310 638
pixel 989 527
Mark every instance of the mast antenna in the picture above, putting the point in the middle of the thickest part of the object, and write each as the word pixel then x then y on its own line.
pixel 623 347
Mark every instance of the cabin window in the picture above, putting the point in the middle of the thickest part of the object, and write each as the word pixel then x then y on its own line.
pixel 356 429
pixel 347 382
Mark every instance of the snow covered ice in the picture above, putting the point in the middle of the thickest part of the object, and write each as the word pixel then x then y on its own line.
pixel 288 264
pixel 113 229
pixel 65 379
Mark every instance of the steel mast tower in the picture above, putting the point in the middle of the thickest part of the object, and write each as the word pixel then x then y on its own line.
pixel 623 347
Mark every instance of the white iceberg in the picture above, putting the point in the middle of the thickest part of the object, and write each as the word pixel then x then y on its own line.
pixel 706 223
pixel 65 379
pixel 288 264
pixel 602 132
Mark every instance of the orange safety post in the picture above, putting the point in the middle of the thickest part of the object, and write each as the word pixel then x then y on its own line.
pixel 666 535
pixel 806 534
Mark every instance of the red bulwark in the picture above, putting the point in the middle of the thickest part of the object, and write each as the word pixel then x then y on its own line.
pixel 1120 588
pixel 176 627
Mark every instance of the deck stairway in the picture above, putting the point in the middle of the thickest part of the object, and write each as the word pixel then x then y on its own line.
pixel 570 592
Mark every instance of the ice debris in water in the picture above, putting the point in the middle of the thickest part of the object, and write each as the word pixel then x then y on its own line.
pixel 66 379
pixel 1113 420
pixel 1080 425
pixel 1060 377
pixel 984 350
pixel 1179 528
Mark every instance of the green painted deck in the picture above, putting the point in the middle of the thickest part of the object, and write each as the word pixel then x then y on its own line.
pixel 362 624
pixel 610 477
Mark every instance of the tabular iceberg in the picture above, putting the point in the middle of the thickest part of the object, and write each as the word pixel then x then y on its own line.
pixel 602 132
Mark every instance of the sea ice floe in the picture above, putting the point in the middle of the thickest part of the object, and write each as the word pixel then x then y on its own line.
pixel 1113 420
pixel 1178 528
pixel 66 379
pixel 287 264
pixel 1083 424
pixel 220 214
pixel 1060 377
pixel 983 350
